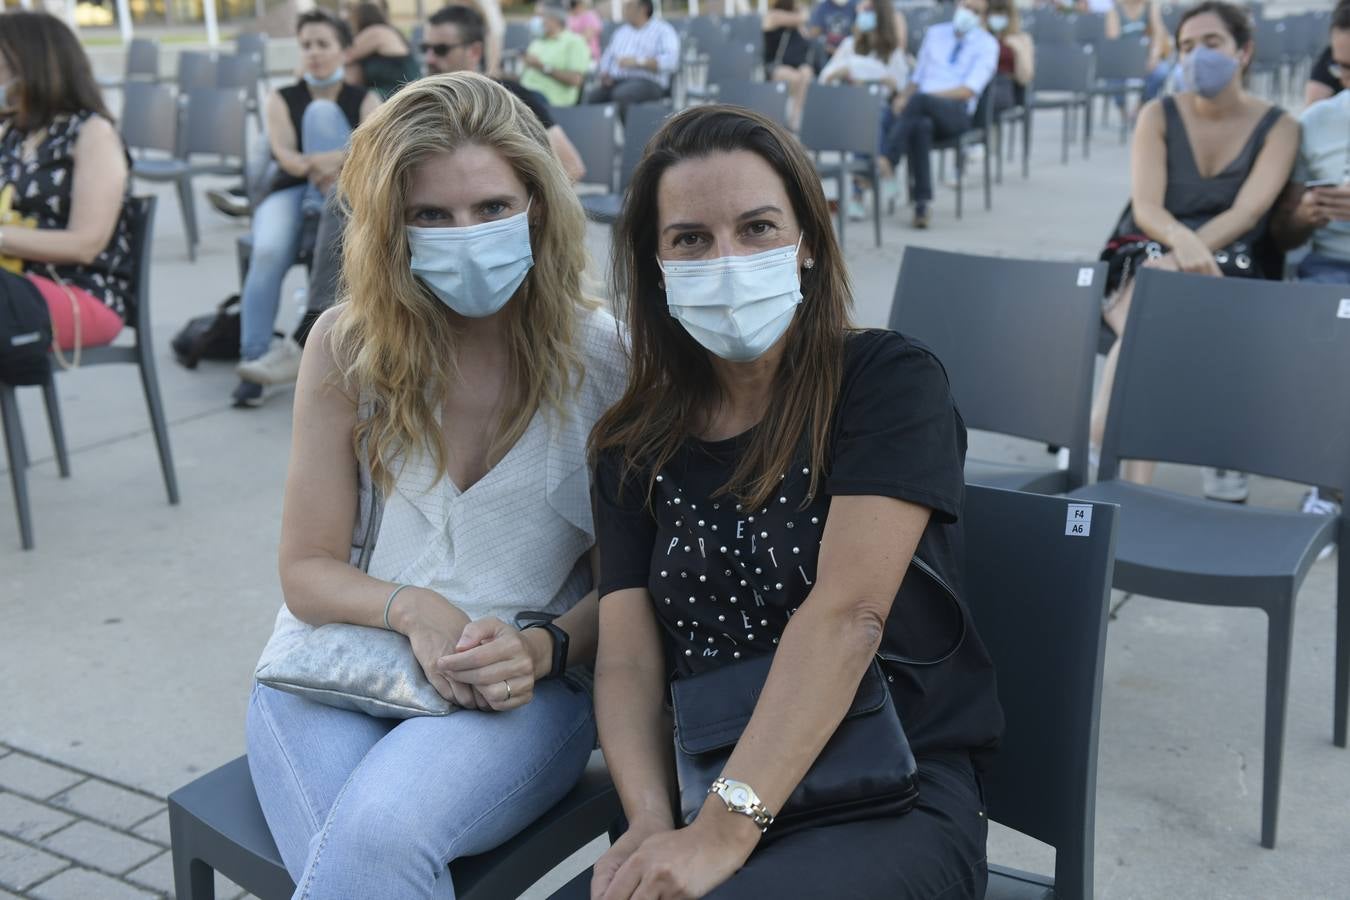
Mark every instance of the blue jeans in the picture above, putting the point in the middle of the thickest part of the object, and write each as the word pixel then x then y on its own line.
pixel 277 225
pixel 377 808
pixel 1321 269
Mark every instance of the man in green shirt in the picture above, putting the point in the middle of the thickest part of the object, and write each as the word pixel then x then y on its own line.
pixel 556 61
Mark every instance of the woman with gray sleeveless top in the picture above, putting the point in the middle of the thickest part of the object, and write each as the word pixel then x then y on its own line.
pixel 1207 166
pixel 1143 19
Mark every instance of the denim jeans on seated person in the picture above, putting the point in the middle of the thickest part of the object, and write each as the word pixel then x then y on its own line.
pixel 277 225
pixel 1318 268
pixel 910 134
pixel 377 808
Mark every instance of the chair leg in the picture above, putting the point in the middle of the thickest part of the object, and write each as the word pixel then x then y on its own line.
pixel 998 150
pixel 1068 132
pixel 150 382
pixel 843 201
pixel 189 210
pixel 1026 144
pixel 53 404
pixel 988 186
pixel 1279 645
pixel 1087 127
pixel 876 200
pixel 960 180
pixel 1342 691
pixel 18 463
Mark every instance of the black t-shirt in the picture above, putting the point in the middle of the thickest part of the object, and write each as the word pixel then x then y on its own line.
pixel 724 581
pixel 1321 72
pixel 532 99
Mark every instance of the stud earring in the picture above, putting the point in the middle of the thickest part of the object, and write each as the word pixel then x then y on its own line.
pixel 810 263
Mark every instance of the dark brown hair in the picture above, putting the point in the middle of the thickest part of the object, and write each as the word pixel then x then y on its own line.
pixel 882 40
pixel 1235 20
pixel 50 67
pixel 364 15
pixel 672 385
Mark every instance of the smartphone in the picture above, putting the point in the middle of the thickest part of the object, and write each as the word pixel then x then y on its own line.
pixel 1323 182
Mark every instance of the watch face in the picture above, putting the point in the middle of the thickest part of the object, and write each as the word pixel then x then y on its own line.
pixel 739 796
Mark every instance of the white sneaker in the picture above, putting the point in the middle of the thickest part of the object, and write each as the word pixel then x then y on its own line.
pixel 279 365
pixel 856 210
pixel 1226 485
pixel 1314 504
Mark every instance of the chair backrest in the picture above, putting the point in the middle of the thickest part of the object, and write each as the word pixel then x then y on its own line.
pixel 143 59
pixel 195 70
pixel 141 216
pixel 1089 28
pixel 1122 59
pixel 1237 373
pixel 706 32
pixel 517 36
pixel 640 123
pixel 214 122
pixel 1270 40
pixel 149 117
pixel 240 70
pixel 253 43
pixel 845 118
pixel 1069 69
pixel 1051 30
pixel 1018 339
pixel 1039 595
pixel 768 98
pixel 415 37
pixel 747 30
pixel 591 130
pixel 732 60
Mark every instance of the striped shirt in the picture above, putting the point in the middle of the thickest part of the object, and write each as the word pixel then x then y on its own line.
pixel 655 40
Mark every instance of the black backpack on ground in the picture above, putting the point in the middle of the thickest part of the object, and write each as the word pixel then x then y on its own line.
pixel 212 336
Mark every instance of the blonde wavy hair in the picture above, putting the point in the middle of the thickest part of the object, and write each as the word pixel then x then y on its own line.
pixel 395 340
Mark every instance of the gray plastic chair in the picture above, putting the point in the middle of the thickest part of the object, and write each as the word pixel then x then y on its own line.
pixel 216 825
pixel 1089 28
pixel 242 71
pixel 213 123
pixel 1248 375
pixel 845 119
pixel 981 131
pixel 768 98
pixel 1040 600
pixel 141 211
pixel 731 60
pixel 253 43
pixel 141 63
pixel 196 70
pixel 591 129
pixel 1054 32
pixel 1064 81
pixel 1018 339
pixel 642 122
pixel 1121 67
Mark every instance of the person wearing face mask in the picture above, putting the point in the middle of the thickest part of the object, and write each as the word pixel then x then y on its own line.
pixel 831 22
pixel 557 59
pixel 379 57
pixel 1016 55
pixel 788 54
pixel 957 60
pixel 1143 18
pixel 760 489
pixel 308 126
pixel 1208 165
pixel 65 255
pixel 456 380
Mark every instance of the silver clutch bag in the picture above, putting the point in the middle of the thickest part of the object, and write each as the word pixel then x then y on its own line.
pixel 369 670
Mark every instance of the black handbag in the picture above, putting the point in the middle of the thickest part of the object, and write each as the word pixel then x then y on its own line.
pixel 865 770
pixel 212 336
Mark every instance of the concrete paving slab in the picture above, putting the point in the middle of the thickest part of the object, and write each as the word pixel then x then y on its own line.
pixel 155 828
pixel 32 777
pixel 82 884
pixel 29 821
pixel 22 866
pixel 108 803
pixel 100 847
pixel 157 875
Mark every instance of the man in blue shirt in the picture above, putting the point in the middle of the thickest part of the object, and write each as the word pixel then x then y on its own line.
pixel 957 60
pixel 832 21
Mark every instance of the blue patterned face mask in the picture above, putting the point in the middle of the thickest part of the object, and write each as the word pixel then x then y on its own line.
pixel 331 80
pixel 1207 71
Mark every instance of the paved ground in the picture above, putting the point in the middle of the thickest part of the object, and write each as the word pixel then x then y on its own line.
pixel 131 632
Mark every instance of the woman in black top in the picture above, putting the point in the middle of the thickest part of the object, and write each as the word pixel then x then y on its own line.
pixel 788 54
pixel 308 126
pixel 761 488
pixel 379 57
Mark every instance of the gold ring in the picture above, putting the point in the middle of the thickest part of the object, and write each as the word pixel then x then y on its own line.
pixel 508 689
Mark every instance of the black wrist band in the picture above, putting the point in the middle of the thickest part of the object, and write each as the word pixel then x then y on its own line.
pixel 560 643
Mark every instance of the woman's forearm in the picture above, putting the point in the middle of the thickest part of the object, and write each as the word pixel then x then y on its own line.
pixel 61 246
pixel 635 732
pixel 1227 227
pixel 321 590
pixel 1157 222
pixel 581 623
pixel 808 690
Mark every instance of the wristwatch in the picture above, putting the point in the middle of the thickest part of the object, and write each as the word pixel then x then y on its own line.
pixel 560 642
pixel 546 69
pixel 741 798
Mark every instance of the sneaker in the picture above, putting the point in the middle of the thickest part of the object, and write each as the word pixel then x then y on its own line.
pixel 279 365
pixel 890 193
pixel 856 211
pixel 247 395
pixel 1314 504
pixel 1226 485
pixel 232 203
pixel 920 215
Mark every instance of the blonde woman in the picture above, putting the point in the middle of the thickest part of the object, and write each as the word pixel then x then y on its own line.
pixel 460 375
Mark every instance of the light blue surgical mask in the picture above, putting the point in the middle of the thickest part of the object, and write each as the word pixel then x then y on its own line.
pixel 6 101
pixel 475 269
pixel 998 22
pixel 1207 71
pixel 965 20
pixel 866 20
pixel 537 26
pixel 736 307
pixel 331 80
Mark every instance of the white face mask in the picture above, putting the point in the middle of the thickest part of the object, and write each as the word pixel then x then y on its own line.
pixel 735 306
pixel 965 19
pixel 475 269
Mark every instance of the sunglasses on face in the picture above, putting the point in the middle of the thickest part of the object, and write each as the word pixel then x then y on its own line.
pixel 439 49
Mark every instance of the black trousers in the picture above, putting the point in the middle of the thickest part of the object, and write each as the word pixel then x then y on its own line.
pixel 625 92
pixel 924 119
pixel 936 851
